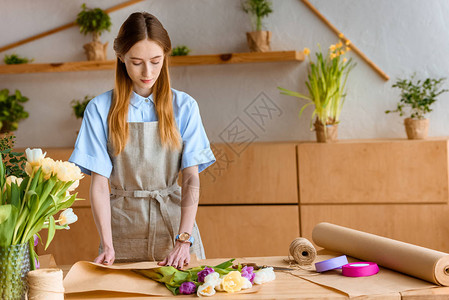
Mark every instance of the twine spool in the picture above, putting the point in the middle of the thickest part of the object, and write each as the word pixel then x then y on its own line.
pixel 302 251
pixel 45 284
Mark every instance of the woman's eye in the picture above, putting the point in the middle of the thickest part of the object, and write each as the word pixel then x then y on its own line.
pixel 155 63
pixel 137 64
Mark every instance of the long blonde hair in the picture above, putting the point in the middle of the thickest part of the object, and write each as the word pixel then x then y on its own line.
pixel 137 27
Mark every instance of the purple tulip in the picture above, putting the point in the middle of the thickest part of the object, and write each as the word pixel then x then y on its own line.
pixel 187 288
pixel 37 263
pixel 36 240
pixel 248 273
pixel 202 274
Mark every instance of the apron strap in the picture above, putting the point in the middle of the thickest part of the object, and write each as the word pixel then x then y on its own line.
pixel 159 196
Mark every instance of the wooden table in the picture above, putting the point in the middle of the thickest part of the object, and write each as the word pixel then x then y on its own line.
pixel 285 286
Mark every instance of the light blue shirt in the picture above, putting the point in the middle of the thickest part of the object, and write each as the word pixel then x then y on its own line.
pixel 91 155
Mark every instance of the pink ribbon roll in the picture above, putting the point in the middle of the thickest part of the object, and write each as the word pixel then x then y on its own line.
pixel 360 269
pixel 330 264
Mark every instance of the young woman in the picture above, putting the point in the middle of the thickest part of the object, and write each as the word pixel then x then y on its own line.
pixel 139 136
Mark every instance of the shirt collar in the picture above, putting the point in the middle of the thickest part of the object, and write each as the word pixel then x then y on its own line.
pixel 136 100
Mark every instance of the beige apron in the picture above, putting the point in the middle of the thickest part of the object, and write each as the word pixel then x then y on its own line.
pixel 145 197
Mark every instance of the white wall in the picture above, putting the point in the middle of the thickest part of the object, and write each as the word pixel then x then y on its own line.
pixel 401 37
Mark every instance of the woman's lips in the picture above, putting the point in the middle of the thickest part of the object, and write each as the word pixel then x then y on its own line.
pixel 145 81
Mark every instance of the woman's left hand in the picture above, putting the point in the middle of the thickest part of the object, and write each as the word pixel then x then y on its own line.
pixel 178 257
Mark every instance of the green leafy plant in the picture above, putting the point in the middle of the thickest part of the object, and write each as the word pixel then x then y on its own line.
pixel 14 161
pixel 14 59
pixel 11 110
pixel 93 21
pixel 326 83
pixel 417 97
pixel 180 51
pixel 79 106
pixel 257 10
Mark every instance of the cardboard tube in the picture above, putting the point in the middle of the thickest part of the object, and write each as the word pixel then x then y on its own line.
pixel 420 262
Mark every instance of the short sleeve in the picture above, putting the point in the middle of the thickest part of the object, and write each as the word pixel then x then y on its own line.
pixel 196 149
pixel 90 153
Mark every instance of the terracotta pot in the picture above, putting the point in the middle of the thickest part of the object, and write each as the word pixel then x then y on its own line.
pixel 416 129
pixel 326 134
pixel 95 50
pixel 259 41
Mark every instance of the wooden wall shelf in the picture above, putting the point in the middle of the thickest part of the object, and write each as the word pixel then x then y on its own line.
pixel 190 60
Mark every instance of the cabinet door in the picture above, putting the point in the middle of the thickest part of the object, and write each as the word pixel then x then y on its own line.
pixel 262 173
pixel 253 230
pixel 398 171
pixel 80 242
pixel 420 224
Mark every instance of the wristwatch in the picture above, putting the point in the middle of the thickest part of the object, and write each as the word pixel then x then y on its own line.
pixel 185 237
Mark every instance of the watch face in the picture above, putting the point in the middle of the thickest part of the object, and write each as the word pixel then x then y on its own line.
pixel 184 236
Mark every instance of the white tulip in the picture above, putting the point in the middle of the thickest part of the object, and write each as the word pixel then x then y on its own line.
pixel 205 289
pixel 264 275
pixel 67 217
pixel 246 283
pixel 34 156
pixel 13 179
pixel 212 278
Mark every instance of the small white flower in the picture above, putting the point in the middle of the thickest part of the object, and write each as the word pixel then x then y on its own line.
pixel 205 289
pixel 264 275
pixel 67 217
pixel 212 278
pixel 246 284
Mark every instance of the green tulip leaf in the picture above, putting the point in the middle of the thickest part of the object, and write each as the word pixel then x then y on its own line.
pixel 5 212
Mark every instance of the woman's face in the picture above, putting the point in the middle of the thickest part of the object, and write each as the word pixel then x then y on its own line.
pixel 144 63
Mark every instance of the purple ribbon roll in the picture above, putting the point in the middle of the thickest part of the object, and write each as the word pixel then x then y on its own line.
pixel 360 269
pixel 330 264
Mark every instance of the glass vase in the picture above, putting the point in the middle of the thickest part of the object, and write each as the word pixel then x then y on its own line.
pixel 14 266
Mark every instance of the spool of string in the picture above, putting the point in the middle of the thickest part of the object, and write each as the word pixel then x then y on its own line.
pixel 45 284
pixel 303 252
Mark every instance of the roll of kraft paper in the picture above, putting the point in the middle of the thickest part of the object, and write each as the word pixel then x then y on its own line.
pixel 360 269
pixel 420 262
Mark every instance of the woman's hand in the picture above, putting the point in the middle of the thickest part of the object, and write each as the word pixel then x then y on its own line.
pixel 107 257
pixel 178 257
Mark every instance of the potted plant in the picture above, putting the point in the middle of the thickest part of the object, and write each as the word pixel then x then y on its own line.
pixel 326 84
pixel 180 50
pixel 14 59
pixel 11 110
pixel 417 97
pixel 79 106
pixel 258 40
pixel 94 21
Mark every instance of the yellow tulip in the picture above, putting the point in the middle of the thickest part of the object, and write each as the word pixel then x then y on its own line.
pixel 348 49
pixel 341 35
pixel 345 59
pixel 332 47
pixel 339 44
pixel 48 165
pixel 333 55
pixel 233 282
pixel 306 51
pixel 347 42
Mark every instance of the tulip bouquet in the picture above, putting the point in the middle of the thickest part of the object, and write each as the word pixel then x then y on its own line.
pixel 206 280
pixel 29 204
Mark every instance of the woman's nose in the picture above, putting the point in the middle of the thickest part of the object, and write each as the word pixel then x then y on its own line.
pixel 147 69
